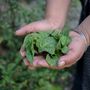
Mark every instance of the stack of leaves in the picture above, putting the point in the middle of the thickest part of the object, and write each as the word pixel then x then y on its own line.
pixel 50 44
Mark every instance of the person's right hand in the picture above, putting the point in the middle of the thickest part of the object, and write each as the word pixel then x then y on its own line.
pixel 42 25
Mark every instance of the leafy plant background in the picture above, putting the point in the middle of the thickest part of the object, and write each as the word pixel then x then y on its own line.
pixel 14 75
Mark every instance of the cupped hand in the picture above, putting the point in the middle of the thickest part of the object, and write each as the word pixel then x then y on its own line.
pixel 42 25
pixel 77 48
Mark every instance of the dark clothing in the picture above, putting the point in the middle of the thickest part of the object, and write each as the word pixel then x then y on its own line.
pixel 82 77
pixel 85 9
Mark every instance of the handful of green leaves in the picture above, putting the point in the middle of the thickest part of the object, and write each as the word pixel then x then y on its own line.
pixel 50 44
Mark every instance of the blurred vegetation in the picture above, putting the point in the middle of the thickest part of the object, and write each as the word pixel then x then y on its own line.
pixel 14 75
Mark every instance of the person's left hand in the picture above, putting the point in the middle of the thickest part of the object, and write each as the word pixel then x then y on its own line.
pixel 77 48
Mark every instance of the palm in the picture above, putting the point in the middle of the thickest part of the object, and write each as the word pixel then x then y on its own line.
pixel 76 50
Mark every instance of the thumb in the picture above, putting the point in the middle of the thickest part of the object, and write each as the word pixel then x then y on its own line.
pixel 33 27
pixel 26 29
pixel 67 60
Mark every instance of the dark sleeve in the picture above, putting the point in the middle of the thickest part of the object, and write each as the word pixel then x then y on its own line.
pixel 84 27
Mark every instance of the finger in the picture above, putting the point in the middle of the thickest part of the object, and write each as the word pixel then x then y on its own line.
pixel 22 52
pixel 36 26
pixel 40 61
pixel 27 63
pixel 37 62
pixel 26 29
pixel 43 63
pixel 33 27
pixel 68 59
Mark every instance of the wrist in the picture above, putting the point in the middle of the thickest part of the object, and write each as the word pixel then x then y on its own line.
pixel 84 28
pixel 83 37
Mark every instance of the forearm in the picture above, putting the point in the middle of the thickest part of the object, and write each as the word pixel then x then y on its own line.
pixel 84 28
pixel 56 11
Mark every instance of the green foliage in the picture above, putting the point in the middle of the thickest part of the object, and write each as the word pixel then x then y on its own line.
pixel 14 75
pixel 47 42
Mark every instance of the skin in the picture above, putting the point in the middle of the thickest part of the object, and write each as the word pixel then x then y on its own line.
pixel 56 20
pixel 76 49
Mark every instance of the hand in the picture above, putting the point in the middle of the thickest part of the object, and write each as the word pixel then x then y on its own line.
pixel 42 25
pixel 35 27
pixel 76 49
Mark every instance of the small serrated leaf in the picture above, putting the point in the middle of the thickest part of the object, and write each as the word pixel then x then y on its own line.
pixel 63 40
pixel 52 60
pixel 47 44
pixel 65 49
pixel 29 56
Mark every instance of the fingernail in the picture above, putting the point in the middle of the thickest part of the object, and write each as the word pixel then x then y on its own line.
pixel 62 63
pixel 17 32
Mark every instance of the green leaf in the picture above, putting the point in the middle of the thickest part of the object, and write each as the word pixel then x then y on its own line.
pixel 65 31
pixel 63 40
pixel 29 47
pixel 30 55
pixel 52 60
pixel 56 34
pixel 44 34
pixel 53 42
pixel 47 44
pixel 58 47
pixel 68 40
pixel 65 49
